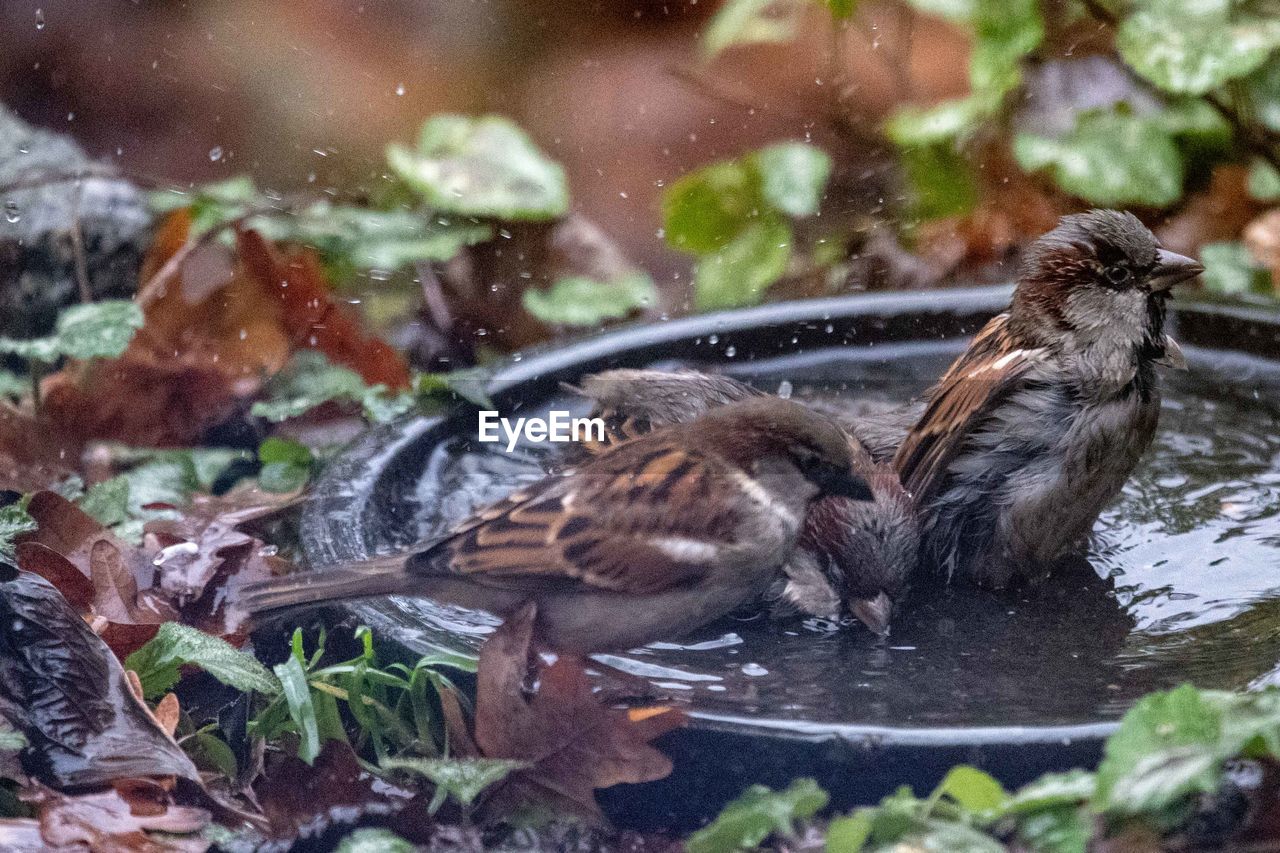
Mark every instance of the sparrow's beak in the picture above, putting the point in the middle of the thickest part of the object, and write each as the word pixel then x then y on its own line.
pixel 874 612
pixel 1172 268
pixel 845 484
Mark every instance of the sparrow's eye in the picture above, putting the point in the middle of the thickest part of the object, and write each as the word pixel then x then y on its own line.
pixel 1118 275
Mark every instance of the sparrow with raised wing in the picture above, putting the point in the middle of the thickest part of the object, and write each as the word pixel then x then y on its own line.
pixel 852 555
pixel 1038 424
pixel 646 541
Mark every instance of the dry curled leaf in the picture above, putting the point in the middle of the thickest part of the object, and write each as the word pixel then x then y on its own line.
pixel 118 819
pixel 573 743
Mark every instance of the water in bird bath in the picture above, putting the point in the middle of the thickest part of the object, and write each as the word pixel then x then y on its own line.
pixel 1179 584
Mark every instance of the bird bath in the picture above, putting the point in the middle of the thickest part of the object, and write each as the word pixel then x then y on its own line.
pixel 1180 583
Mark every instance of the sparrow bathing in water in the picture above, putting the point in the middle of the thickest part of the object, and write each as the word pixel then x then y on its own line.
pixel 646 541
pixel 853 556
pixel 1038 424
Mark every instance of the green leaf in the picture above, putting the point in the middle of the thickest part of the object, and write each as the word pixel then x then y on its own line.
pixel 949 120
pixel 1169 745
pixel 485 167
pixel 1006 31
pixel 742 22
pixel 972 789
pixel 739 273
pixel 108 501
pixel 582 301
pixel 949 837
pixel 1231 270
pixel 14 521
pixel 1064 829
pixel 307 381
pixel 1053 790
pixel 286 450
pixel 374 840
pixel 1194 48
pixel 93 330
pixel 13 385
pixel 1263 90
pixel 297 694
pixel 793 176
pixel 211 751
pixel 849 834
pixel 175 645
pixel 10 740
pixel 281 478
pixel 1264 181
pixel 706 209
pixel 760 812
pixel 461 779
pixel 1109 159
pixel 940 182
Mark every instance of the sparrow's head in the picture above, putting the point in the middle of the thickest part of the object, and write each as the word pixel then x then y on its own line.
pixel 769 426
pixel 870 549
pixel 1100 273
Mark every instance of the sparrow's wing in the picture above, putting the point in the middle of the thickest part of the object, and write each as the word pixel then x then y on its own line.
pixel 633 403
pixel 992 366
pixel 645 517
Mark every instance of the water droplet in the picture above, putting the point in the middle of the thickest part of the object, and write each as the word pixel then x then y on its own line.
pixel 730 351
pixel 11 213
pixel 754 669
pixel 784 389
pixel 400 89
pixel 713 340
pixel 39 19
pixel 215 153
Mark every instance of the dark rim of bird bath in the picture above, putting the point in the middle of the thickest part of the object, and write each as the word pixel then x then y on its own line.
pixel 354 485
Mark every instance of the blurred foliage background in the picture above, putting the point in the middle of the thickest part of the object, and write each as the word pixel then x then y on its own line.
pixel 659 156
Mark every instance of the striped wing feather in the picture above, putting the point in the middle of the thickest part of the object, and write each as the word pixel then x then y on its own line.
pixel 977 382
pixel 639 519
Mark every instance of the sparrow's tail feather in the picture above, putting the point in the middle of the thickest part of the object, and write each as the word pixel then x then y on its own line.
pixel 366 579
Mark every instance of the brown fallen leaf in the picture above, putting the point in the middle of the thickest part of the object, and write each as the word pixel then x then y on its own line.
pixel 573 743
pixel 1216 213
pixel 186 570
pixel 118 819
pixel 1262 237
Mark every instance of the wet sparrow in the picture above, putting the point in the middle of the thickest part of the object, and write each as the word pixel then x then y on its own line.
pixel 647 541
pixel 1038 424
pixel 852 554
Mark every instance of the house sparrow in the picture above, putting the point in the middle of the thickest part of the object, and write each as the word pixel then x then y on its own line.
pixel 1037 425
pixel 646 541
pixel 854 554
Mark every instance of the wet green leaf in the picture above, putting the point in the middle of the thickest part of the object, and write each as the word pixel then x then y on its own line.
pixel 1053 790
pixel 1193 48
pixel 461 779
pixel 485 167
pixel 310 380
pixel 1263 90
pixel 297 694
pixel 14 521
pixel 793 176
pixel 93 330
pixel 175 645
pixel 283 477
pixel 1109 159
pixel 209 750
pixel 108 501
pixel 582 301
pixel 760 812
pixel 742 22
pixel 1231 270
pixel 949 120
pixel 1168 746
pixel 740 272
